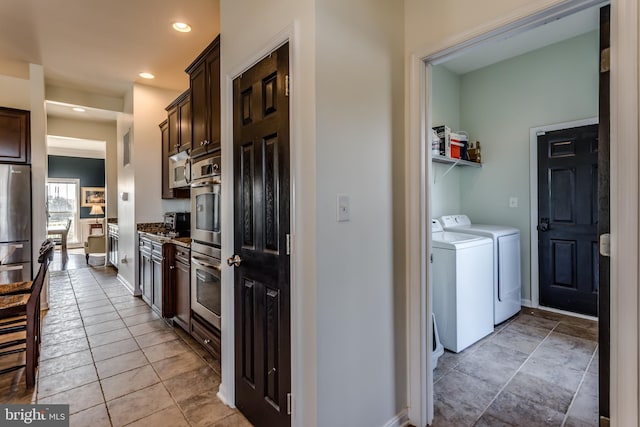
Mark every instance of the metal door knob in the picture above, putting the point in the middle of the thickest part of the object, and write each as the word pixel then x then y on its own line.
pixel 234 260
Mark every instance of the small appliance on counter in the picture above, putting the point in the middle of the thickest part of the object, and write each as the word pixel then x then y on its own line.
pixel 177 224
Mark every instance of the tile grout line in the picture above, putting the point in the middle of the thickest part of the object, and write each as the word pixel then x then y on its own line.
pixel 575 395
pixel 104 398
pixel 515 373
pixel 156 373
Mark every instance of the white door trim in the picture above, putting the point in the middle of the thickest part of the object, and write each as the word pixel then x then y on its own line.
pixel 533 193
pixel 625 268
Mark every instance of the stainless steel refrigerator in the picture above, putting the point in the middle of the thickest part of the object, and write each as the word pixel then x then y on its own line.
pixel 15 223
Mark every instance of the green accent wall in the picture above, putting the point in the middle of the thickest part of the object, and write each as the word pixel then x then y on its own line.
pixel 89 171
pixel 499 105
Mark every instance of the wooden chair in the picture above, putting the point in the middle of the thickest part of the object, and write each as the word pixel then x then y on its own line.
pixel 20 312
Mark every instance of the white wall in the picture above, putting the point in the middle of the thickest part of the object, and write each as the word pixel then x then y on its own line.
pixel 99 131
pixel 243 37
pixel 346 123
pixel 359 95
pixel 148 112
pixel 144 108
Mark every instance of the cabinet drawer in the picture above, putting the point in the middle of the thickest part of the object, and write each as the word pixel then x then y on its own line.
pixel 183 255
pixel 209 338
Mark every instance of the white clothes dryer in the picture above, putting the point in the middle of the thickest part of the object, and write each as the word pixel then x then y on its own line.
pixel 507 286
pixel 462 287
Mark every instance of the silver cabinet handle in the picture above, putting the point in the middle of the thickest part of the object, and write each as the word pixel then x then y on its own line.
pixel 207 341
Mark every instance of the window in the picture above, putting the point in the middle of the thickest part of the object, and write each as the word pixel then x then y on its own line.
pixel 62 204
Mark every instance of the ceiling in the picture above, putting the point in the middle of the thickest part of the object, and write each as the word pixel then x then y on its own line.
pixel 100 46
pixel 552 32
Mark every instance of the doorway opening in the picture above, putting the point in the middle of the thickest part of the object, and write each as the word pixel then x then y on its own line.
pixel 495 94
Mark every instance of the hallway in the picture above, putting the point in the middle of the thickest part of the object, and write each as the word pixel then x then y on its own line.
pixel 117 363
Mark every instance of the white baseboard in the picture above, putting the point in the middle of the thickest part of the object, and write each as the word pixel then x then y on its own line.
pixel 400 420
pixel 222 395
pixel 126 284
pixel 527 303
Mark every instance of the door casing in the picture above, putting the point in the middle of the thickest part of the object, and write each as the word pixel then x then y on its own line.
pixel 301 328
pixel 533 190
pixel 625 275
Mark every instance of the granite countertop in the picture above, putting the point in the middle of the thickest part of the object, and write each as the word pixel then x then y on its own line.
pixel 153 235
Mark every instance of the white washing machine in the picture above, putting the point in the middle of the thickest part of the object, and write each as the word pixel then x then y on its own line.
pixel 507 286
pixel 462 282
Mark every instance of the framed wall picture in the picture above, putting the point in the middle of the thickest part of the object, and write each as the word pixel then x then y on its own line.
pixel 92 196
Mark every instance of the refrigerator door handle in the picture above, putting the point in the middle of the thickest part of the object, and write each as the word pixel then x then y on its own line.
pixel 11 267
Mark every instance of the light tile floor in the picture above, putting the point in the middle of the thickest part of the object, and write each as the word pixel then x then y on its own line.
pixel 539 368
pixel 107 355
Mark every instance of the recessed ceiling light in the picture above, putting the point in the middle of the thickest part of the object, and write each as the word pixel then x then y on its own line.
pixel 78 109
pixel 146 75
pixel 182 27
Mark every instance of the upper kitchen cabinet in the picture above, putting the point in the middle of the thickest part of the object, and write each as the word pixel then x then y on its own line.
pixel 167 191
pixel 179 122
pixel 204 77
pixel 15 140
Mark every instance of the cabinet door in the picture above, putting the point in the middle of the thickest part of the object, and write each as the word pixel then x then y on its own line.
pixel 173 122
pixel 156 300
pixel 198 111
pixel 146 276
pixel 167 193
pixel 213 69
pixel 184 114
pixel 15 144
pixel 183 294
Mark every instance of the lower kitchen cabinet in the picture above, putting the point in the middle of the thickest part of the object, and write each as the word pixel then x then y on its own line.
pixel 150 256
pixel 145 269
pixel 182 287
pixel 112 247
pixel 206 335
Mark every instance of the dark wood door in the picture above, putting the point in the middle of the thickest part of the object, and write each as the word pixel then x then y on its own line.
pixel 261 216
pixel 568 219
pixel 604 322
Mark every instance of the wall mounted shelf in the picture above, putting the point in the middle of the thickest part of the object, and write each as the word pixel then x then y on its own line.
pixel 453 162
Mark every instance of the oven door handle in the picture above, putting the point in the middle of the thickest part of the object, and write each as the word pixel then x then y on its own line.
pixel 206 183
pixel 200 262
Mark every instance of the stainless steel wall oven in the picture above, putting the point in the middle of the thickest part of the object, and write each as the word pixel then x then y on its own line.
pixel 205 201
pixel 205 239
pixel 205 282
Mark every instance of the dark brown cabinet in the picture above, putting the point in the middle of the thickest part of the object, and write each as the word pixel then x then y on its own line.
pixel 204 78
pixel 182 287
pixel 156 293
pixel 15 139
pixel 167 192
pixel 208 336
pixel 179 123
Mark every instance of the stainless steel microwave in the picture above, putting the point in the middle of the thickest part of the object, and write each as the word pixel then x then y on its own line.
pixel 179 170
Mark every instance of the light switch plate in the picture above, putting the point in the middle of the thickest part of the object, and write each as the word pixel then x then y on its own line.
pixel 343 208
